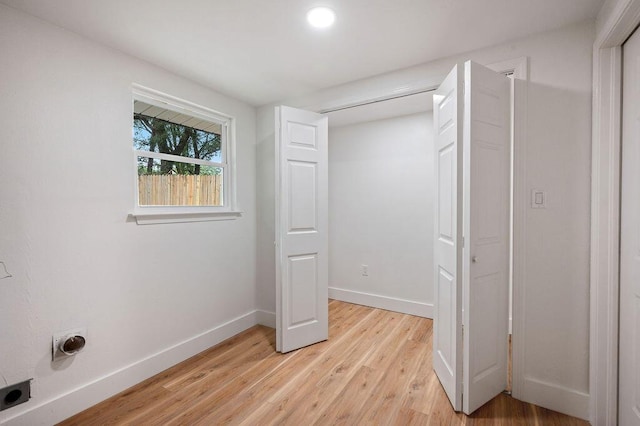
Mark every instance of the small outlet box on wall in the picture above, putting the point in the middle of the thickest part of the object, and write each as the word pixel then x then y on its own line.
pixel 365 270
pixel 13 395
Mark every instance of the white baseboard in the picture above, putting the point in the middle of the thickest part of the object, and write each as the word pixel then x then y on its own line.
pixel 266 318
pixel 557 398
pixel 382 302
pixel 66 405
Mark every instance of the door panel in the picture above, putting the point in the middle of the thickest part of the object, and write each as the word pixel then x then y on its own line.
pixel 486 228
pixel 446 193
pixel 303 280
pixel 629 379
pixel 472 122
pixel 301 229
pixel 446 322
pixel 447 338
pixel 302 196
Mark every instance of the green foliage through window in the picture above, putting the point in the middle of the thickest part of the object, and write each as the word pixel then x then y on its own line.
pixel 161 136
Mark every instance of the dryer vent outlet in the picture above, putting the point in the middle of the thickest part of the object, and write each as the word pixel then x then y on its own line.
pixel 15 394
pixel 68 343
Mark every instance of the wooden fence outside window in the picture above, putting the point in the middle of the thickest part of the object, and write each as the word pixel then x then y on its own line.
pixel 180 190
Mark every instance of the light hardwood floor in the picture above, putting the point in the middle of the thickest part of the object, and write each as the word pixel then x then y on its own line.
pixel 375 369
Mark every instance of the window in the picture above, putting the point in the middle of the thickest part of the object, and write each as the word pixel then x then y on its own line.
pixel 183 158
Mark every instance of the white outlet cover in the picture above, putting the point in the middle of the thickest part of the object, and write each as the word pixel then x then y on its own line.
pixel 365 270
pixel 60 336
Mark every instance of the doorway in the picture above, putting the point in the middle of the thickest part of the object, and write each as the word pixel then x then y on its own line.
pixel 505 296
pixel 364 267
pixel 381 204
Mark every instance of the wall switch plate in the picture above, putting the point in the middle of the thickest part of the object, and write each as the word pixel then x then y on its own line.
pixel 365 270
pixel 13 395
pixel 538 199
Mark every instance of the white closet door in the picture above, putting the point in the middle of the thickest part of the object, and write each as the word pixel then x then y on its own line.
pixel 486 230
pixel 629 385
pixel 447 330
pixel 471 118
pixel 301 229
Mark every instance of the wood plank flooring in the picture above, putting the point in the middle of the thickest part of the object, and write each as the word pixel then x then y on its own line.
pixel 375 369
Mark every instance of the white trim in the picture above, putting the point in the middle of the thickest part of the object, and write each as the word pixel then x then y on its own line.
pixel 620 24
pixel 404 92
pixel 520 200
pixel 151 217
pixel 412 88
pixel 605 209
pixel 231 191
pixel 178 214
pixel 177 158
pixel 277 232
pixel 101 388
pixel 520 69
pixel 163 100
pixel 518 66
pixel 266 318
pixel 605 196
pixel 557 398
pixel 394 304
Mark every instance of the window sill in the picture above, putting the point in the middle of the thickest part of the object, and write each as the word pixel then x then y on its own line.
pixel 158 217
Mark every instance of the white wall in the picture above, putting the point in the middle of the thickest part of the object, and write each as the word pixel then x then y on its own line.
pixel 381 213
pixel 150 295
pixel 554 256
pixel 265 198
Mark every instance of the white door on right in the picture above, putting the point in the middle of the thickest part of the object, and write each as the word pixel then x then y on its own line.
pixel 487 169
pixel 629 349
pixel 471 248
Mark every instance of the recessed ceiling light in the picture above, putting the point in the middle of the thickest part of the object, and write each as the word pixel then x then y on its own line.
pixel 321 17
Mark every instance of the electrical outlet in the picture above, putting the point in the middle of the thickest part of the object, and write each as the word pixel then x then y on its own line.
pixel 365 270
pixel 13 395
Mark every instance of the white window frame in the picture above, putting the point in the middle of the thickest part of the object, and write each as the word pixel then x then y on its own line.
pixel 169 214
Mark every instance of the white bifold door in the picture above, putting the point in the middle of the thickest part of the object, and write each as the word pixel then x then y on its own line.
pixel 472 126
pixel 301 228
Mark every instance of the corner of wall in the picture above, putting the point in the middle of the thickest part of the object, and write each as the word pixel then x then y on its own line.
pixel 265 194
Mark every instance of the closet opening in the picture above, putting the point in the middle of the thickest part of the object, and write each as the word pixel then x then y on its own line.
pixel 381 189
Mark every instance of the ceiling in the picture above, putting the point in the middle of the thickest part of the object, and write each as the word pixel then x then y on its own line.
pixel 262 51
